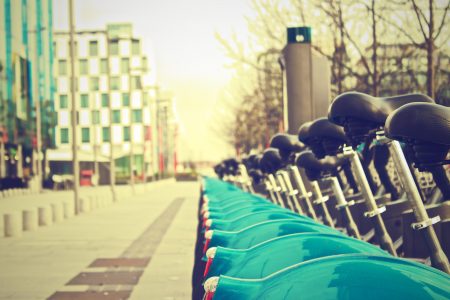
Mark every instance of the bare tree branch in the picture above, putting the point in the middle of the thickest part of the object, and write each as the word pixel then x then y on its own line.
pixel 442 21
pixel 401 29
pixel 419 13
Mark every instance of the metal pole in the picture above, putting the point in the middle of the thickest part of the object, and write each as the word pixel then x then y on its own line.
pixel 424 222
pixel 246 178
pixel 158 133
pixel 343 205
pixel 152 129
pixel 112 163
pixel 2 159
pixel 76 172
pixel 284 190
pixel 38 143
pixel 96 172
pixel 291 192
pixel 304 193
pixel 276 189
pixel 374 212
pixel 144 132
pixel 269 188
pixel 19 161
pixel 320 199
pixel 130 92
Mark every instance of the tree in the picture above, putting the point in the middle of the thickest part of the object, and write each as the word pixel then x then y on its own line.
pixel 367 42
pixel 426 35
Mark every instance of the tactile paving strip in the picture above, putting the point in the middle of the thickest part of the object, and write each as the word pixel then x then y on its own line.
pixel 119 262
pixel 108 277
pixel 117 281
pixel 91 295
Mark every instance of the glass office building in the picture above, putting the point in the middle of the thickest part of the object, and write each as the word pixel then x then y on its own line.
pixel 26 79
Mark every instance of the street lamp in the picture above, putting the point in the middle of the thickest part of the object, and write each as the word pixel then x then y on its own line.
pixel 76 166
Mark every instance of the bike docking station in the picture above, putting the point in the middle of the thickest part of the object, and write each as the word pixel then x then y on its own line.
pixel 333 208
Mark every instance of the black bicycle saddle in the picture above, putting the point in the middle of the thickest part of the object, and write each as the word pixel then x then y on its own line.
pixel 360 113
pixel 303 132
pixel 315 167
pixel 328 135
pixel 271 160
pixel 420 122
pixel 424 127
pixel 286 144
pixel 231 166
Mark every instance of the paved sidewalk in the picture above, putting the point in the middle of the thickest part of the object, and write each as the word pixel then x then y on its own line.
pixel 142 246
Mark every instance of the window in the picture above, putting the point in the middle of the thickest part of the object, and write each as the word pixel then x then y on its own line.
pixel 135 47
pixel 93 48
pixel 75 48
pixel 136 116
pixel 136 82
pixel 94 84
pixel 144 99
pixel 62 67
pixel 85 135
pixel 105 134
pixel 64 135
pixel 84 70
pixel 105 100
pixel 95 117
pixel 104 66
pixel 114 48
pixel 115 83
pixel 126 134
pixel 125 99
pixel 63 102
pixel 144 62
pixel 84 101
pixel 125 65
pixel 116 116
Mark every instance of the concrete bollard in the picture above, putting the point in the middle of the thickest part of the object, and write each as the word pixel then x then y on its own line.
pixel 29 220
pixel 85 204
pixel 108 199
pixel 57 212
pixel 12 224
pixel 93 202
pixel 68 209
pixel 44 216
pixel 100 202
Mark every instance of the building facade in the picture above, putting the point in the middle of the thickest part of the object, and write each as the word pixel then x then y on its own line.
pixel 26 85
pixel 166 125
pixel 113 78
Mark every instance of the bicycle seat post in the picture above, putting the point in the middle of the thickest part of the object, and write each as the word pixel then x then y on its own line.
pixel 343 204
pixel 424 222
pixel 303 193
pixel 276 189
pixel 374 211
pixel 284 190
pixel 292 193
pixel 269 188
pixel 247 181
pixel 321 199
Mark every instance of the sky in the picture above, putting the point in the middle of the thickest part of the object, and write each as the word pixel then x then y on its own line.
pixel 179 36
